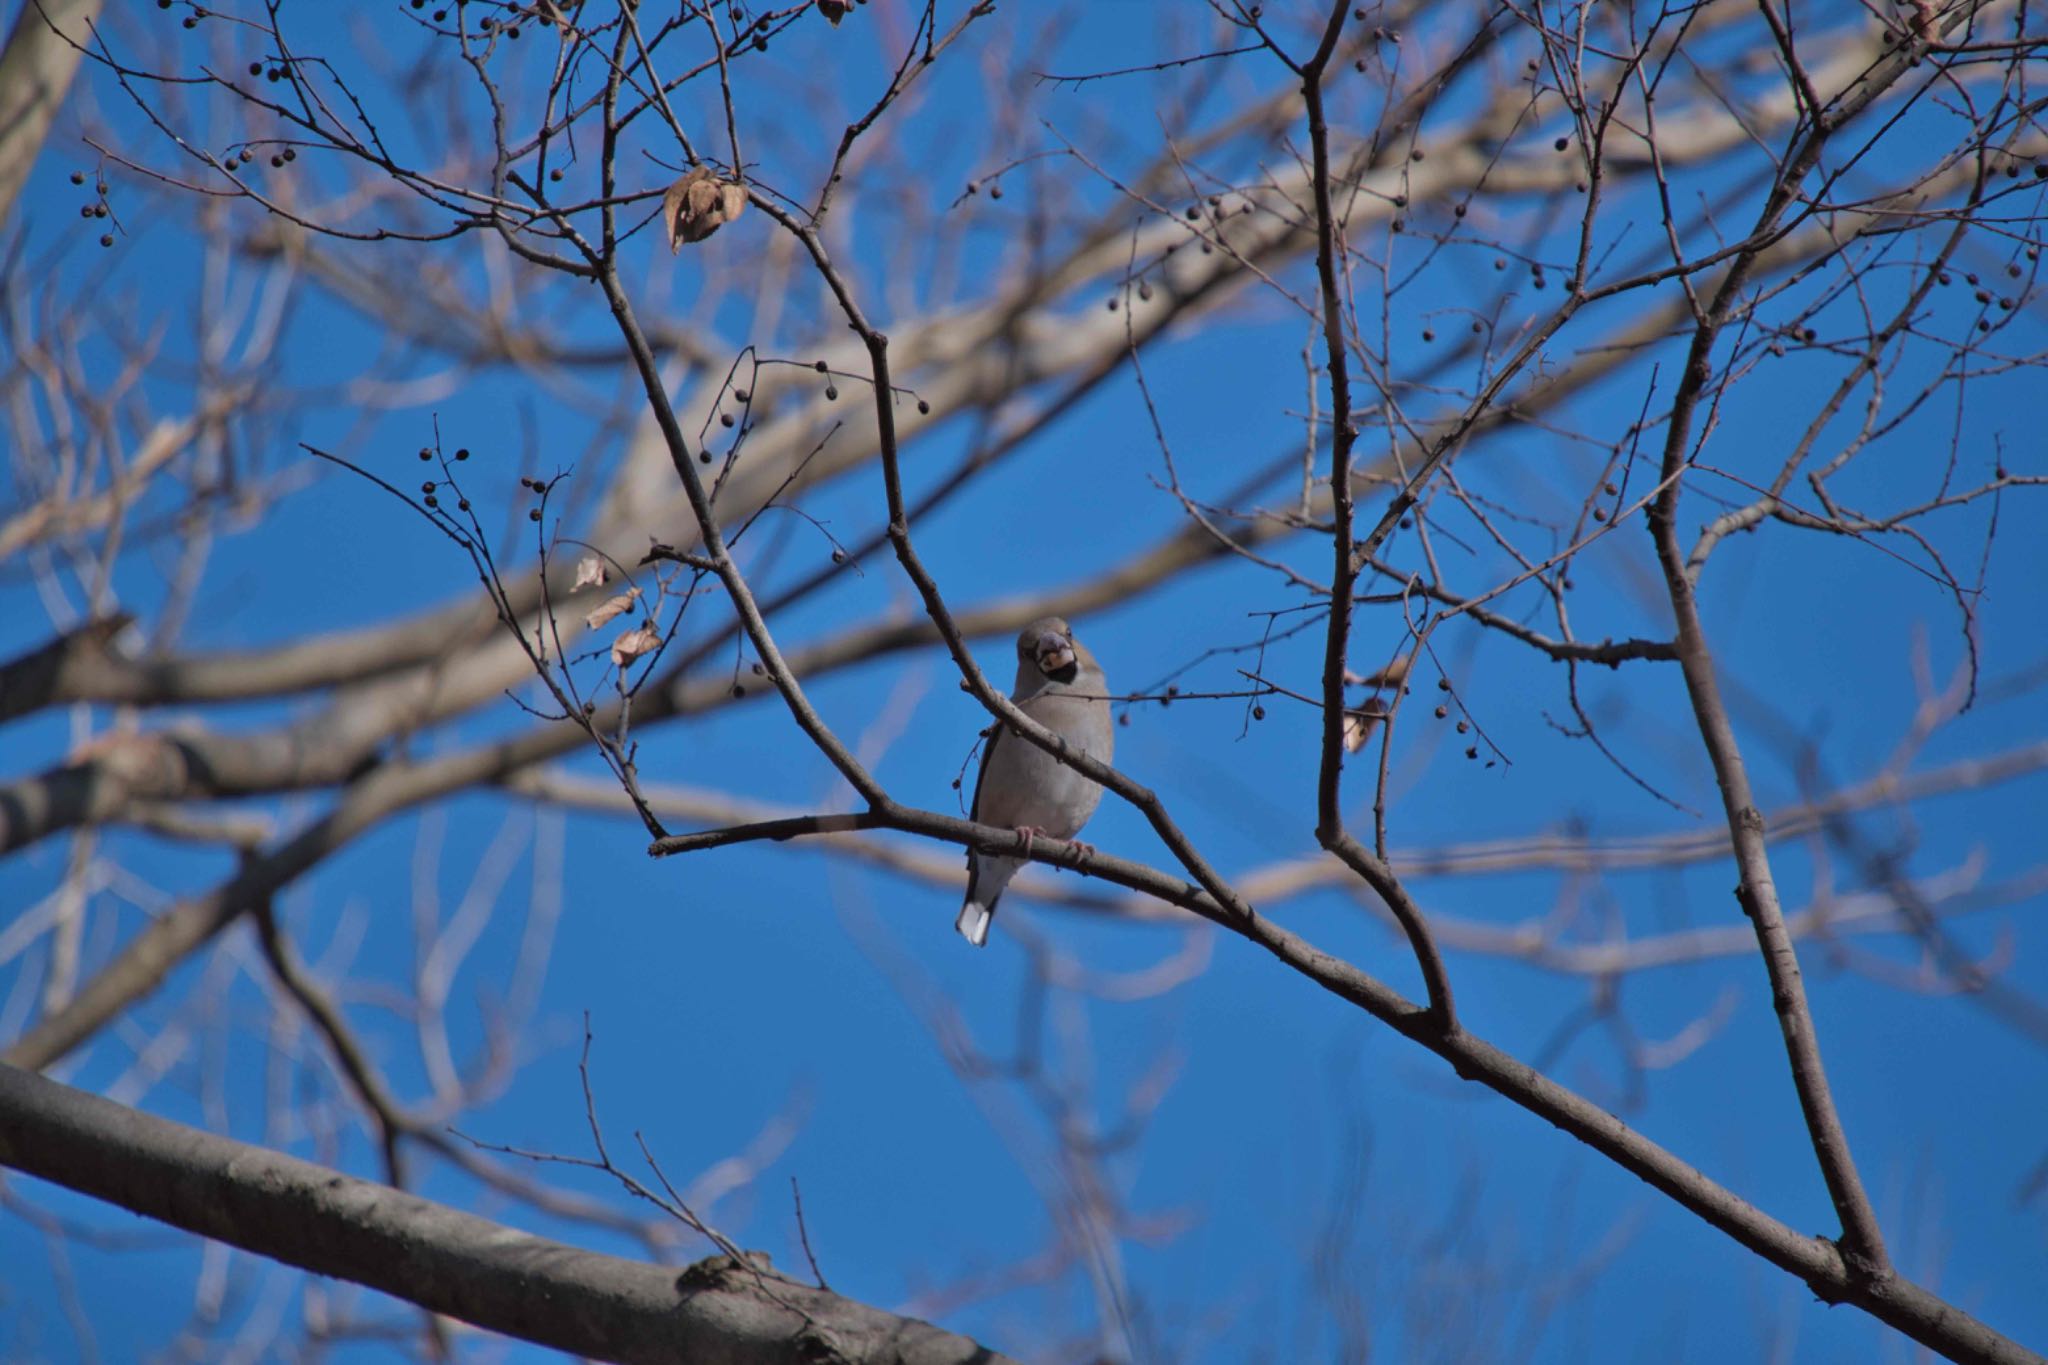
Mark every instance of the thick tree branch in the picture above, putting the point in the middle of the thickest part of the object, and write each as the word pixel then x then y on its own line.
pixel 36 68
pixel 444 1260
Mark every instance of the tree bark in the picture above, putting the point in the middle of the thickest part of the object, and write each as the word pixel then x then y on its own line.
pixel 36 68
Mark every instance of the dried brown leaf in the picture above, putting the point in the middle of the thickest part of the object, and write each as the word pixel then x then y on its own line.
pixel 630 646
pixel 834 10
pixel 611 607
pixel 591 572
pixel 700 204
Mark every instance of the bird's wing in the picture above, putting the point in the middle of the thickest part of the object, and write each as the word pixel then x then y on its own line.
pixel 992 734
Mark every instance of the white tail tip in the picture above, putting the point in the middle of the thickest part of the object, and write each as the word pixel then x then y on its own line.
pixel 973 923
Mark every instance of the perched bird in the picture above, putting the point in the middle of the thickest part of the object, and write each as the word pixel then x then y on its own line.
pixel 1060 686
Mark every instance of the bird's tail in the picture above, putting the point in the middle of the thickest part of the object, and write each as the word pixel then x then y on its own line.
pixel 974 921
pixel 986 878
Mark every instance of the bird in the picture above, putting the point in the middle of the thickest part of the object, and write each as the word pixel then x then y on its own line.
pixel 1021 786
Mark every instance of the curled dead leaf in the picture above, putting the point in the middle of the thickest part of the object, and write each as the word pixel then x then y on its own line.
pixel 700 204
pixel 610 607
pixel 634 643
pixel 1359 724
pixel 834 10
pixel 591 571
pixel 1393 675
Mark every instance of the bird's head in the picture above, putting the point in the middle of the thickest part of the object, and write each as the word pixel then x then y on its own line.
pixel 1047 644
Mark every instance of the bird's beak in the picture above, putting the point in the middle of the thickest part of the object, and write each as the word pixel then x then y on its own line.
pixel 1055 655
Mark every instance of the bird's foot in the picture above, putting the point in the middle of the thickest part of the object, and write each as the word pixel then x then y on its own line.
pixel 1087 851
pixel 1028 833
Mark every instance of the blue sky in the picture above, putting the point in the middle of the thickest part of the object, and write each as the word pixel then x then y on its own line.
pixel 732 991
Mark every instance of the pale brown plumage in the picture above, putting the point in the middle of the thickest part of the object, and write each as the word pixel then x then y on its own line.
pixel 1023 787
